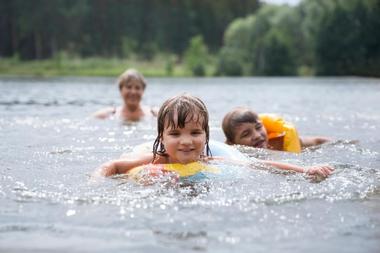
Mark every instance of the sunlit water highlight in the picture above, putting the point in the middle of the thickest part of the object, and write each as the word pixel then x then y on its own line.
pixel 50 146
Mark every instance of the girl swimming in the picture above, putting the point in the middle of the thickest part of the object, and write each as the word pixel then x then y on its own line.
pixel 183 138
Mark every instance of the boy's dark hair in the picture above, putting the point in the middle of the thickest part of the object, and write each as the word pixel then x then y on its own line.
pixel 186 108
pixel 235 117
pixel 129 75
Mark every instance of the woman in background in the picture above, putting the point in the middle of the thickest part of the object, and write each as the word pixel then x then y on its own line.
pixel 131 86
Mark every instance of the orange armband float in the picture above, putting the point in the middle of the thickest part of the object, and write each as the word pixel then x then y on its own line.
pixel 277 126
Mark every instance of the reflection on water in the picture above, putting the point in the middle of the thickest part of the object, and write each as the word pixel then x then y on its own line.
pixel 50 146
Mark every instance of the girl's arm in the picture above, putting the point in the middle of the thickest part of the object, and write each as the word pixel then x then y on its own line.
pixel 122 166
pixel 322 170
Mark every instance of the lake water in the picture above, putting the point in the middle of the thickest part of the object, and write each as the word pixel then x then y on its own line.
pixel 50 145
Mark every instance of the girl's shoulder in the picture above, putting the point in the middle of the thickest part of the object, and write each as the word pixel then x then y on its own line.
pixel 161 159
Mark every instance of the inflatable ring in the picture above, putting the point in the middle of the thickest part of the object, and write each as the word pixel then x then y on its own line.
pixel 276 127
pixel 147 173
pixel 225 151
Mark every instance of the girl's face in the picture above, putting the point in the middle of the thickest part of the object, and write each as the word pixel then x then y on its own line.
pixel 132 92
pixel 251 134
pixel 184 145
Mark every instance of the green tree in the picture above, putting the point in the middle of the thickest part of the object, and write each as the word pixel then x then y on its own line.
pixel 347 42
pixel 255 42
pixel 230 62
pixel 310 15
pixel 233 59
pixel 276 56
pixel 43 28
pixel 196 56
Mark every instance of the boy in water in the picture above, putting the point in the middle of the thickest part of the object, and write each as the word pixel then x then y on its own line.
pixel 243 126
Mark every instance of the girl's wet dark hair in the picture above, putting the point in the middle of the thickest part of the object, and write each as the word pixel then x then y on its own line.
pixel 235 117
pixel 185 108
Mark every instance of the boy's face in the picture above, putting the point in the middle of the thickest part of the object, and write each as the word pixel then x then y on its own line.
pixel 184 145
pixel 132 92
pixel 251 134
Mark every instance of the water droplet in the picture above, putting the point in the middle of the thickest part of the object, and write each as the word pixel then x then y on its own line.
pixel 70 212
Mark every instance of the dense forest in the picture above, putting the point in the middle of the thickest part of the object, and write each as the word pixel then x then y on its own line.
pixel 244 37
pixel 40 28
pixel 324 37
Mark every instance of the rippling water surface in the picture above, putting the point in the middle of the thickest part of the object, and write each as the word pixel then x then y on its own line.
pixel 50 145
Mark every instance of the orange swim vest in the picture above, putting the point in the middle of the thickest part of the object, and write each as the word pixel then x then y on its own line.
pixel 277 126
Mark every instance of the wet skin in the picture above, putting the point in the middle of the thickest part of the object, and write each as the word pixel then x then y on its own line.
pixel 251 134
pixel 184 145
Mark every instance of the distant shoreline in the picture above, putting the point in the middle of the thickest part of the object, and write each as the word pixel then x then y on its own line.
pixel 97 67
pixel 110 67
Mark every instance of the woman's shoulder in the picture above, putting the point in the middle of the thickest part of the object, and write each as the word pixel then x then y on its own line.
pixel 105 112
pixel 150 111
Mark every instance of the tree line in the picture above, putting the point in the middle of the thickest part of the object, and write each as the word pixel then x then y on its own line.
pixel 245 37
pixel 324 37
pixel 39 29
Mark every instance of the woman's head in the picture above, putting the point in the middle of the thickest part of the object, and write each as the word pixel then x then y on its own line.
pixel 183 131
pixel 243 126
pixel 131 86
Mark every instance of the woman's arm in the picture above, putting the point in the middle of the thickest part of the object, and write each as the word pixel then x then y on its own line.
pixel 104 113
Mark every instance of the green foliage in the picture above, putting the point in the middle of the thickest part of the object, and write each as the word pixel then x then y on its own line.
pixel 196 56
pixel 238 33
pixel 129 47
pixel 311 14
pixel 39 29
pixel 64 65
pixel 275 58
pixel 260 44
pixel 230 62
pixel 326 37
pixel 199 70
pixel 148 51
pixel 347 42
pixel 169 65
